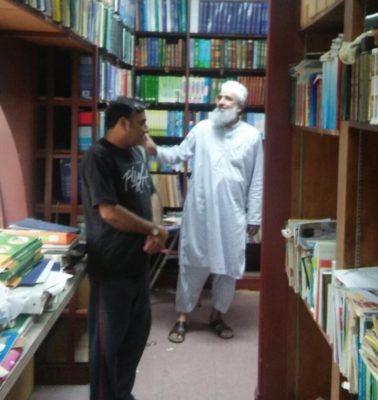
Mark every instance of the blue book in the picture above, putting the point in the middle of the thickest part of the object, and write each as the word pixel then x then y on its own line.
pixel 255 26
pixel 203 16
pixel 31 278
pixel 312 100
pixel 264 19
pixel 7 340
pixel 242 24
pixel 85 137
pixel 203 53
pixel 222 17
pixel 164 15
pixel 232 20
pixel 178 131
pixel 85 77
pixel 175 16
pixel 155 52
pixel 37 224
pixel 212 7
pixel 65 180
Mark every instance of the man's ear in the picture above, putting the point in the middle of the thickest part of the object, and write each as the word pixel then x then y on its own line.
pixel 125 123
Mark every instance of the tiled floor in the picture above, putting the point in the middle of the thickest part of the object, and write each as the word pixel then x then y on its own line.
pixel 204 367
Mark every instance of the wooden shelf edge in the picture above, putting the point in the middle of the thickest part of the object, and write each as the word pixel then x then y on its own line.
pixel 64 101
pixel 364 126
pixel 32 25
pixel 317 130
pixel 224 71
pixel 162 70
pixel 227 35
pixel 160 34
pixel 331 12
pixel 199 35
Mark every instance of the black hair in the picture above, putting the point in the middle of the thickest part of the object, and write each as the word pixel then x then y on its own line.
pixel 122 107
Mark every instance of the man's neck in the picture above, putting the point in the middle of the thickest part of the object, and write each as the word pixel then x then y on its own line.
pixel 116 139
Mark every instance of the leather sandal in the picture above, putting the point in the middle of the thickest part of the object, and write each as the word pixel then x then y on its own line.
pixel 221 328
pixel 177 334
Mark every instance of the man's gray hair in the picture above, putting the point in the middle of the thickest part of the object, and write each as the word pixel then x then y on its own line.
pixel 238 89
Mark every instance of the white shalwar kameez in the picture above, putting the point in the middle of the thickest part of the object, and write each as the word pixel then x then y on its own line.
pixel 224 195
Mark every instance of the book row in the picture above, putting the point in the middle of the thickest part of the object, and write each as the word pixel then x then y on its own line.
pixel 256 119
pixel 161 123
pixel 202 90
pixel 112 80
pixel 227 53
pixel 104 23
pixel 343 302
pixel 206 16
pixel 63 191
pixel 338 85
pixel 204 53
pixel 169 188
pixel 78 11
pixel 162 15
pixel 155 166
pixel 18 255
pixel 233 17
pixel 159 52
pixel 165 123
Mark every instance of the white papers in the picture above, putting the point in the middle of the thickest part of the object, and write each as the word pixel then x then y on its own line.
pixel 366 278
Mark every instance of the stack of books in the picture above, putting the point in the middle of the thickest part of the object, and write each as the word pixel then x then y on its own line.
pixel 18 254
pixel 54 237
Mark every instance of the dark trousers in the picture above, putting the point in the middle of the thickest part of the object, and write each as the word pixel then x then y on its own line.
pixel 119 325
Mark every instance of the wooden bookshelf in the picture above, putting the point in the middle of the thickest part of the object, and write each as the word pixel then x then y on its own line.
pixel 39 121
pixel 315 174
pixel 20 21
pixel 251 279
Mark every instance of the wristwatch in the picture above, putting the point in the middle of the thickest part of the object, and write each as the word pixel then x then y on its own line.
pixel 155 231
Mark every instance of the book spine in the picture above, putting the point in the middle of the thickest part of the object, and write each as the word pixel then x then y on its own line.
pixel 85 77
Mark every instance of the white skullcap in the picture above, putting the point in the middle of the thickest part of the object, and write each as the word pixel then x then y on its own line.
pixel 237 88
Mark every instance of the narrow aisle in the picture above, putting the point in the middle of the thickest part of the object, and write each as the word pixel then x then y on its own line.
pixel 204 367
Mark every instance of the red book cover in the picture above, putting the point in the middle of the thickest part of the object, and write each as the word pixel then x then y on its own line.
pixel 85 118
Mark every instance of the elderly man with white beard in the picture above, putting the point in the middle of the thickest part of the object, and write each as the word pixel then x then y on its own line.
pixel 222 205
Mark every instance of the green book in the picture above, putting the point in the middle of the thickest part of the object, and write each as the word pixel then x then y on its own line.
pixel 20 324
pixel 13 247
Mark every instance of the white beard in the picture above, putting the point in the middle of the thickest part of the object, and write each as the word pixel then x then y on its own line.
pixel 224 117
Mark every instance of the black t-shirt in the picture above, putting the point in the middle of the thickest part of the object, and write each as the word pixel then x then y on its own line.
pixel 110 175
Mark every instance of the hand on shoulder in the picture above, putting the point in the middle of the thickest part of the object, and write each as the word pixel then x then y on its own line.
pixel 149 145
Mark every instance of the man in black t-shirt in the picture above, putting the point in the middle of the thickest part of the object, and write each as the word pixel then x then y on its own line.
pixel 122 217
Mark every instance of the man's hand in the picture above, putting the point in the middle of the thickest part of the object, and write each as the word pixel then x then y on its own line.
pixel 154 244
pixel 252 231
pixel 149 145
